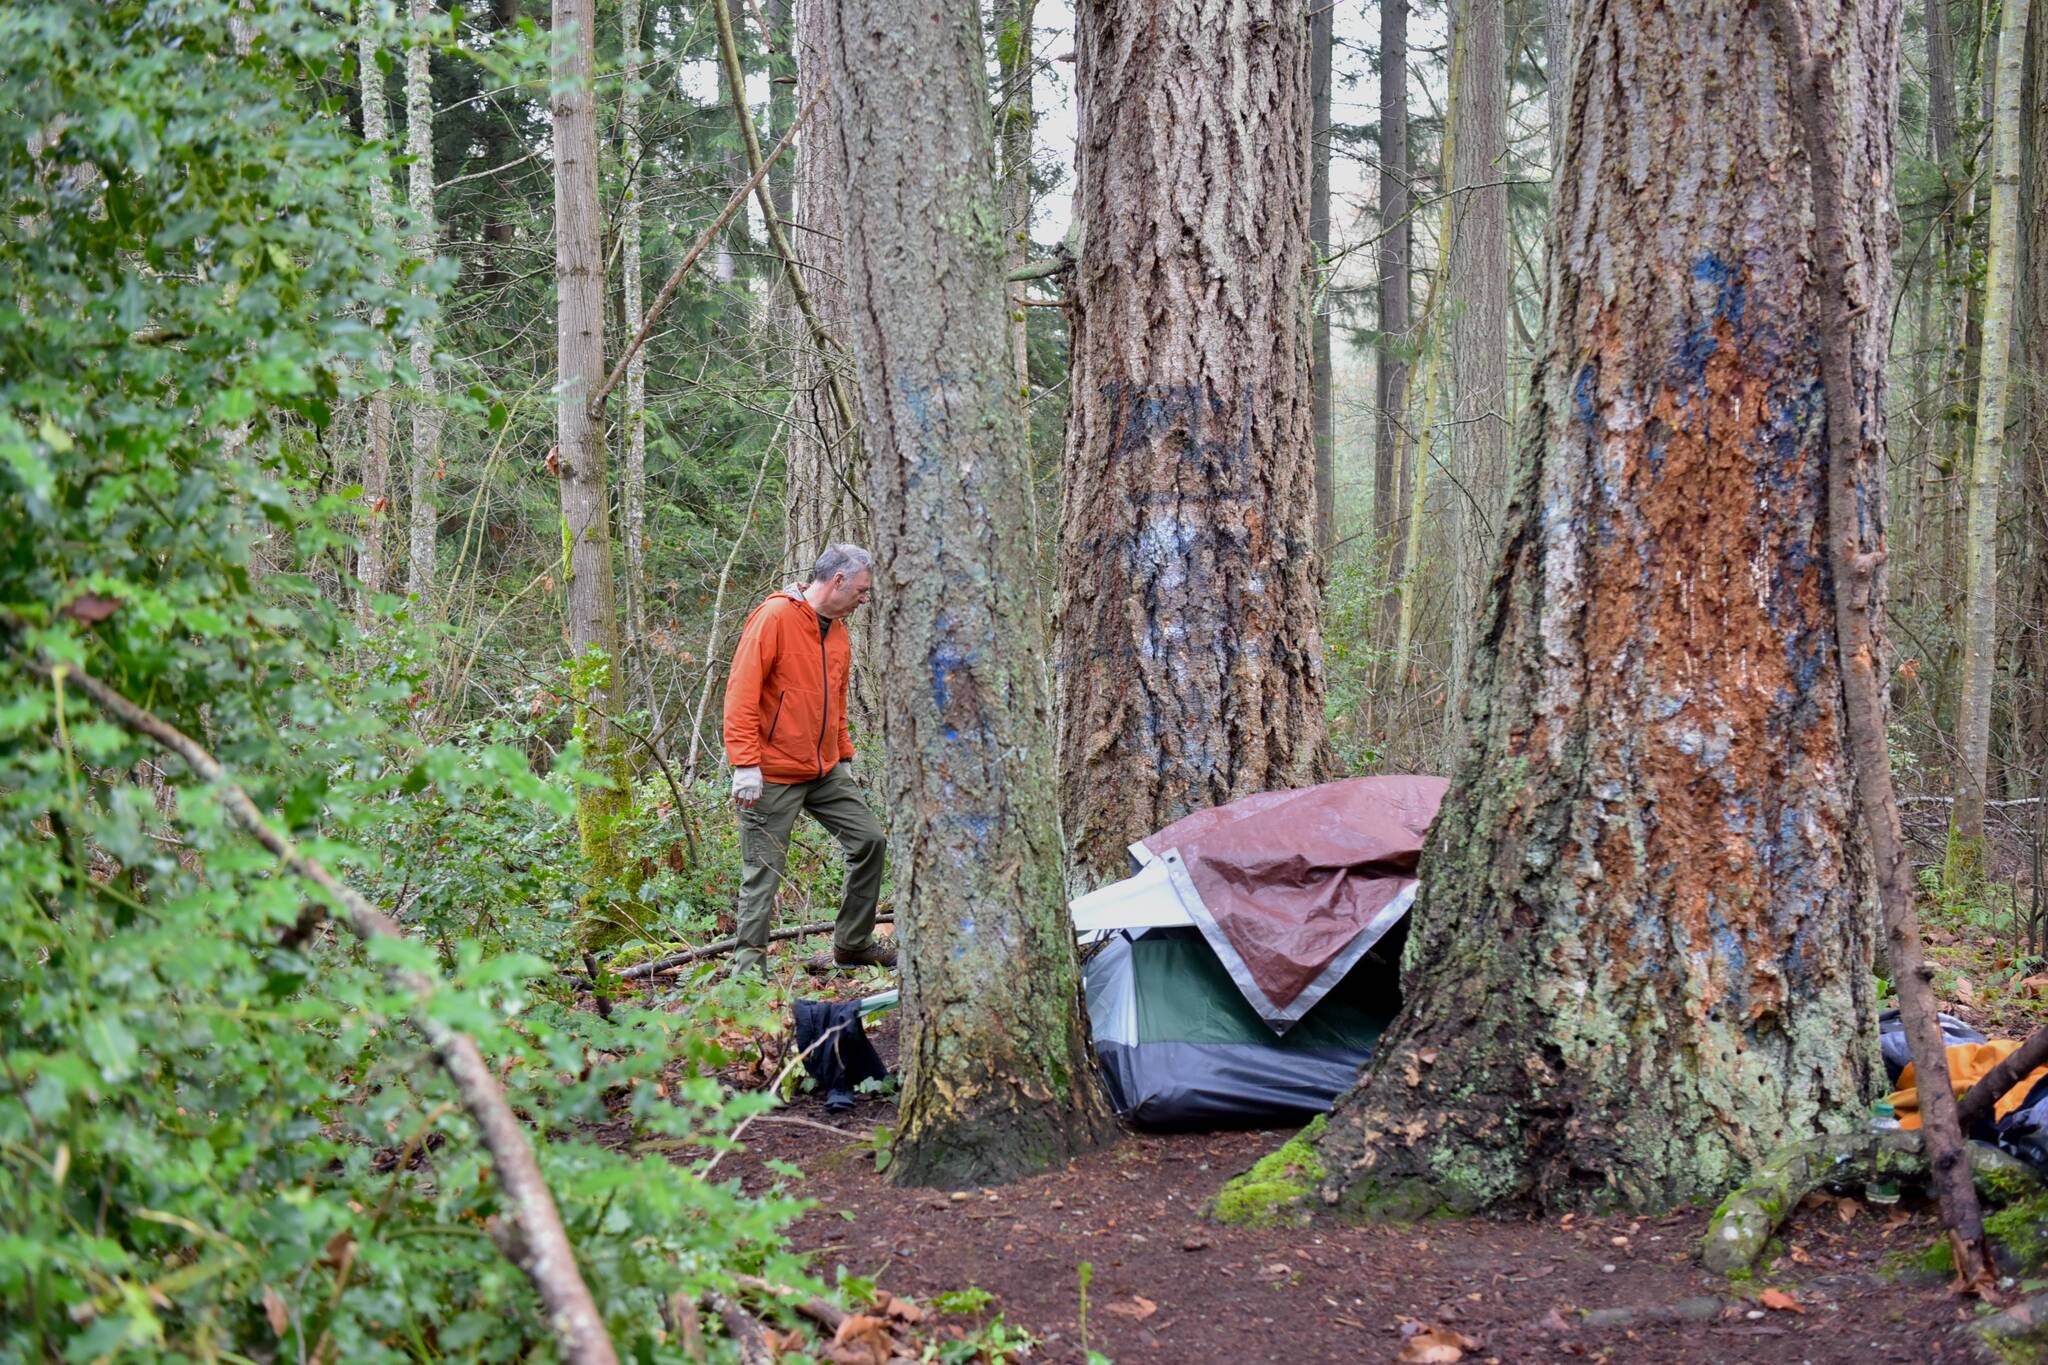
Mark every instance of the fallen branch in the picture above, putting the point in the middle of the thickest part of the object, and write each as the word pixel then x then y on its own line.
pixel 534 1238
pixel 745 1330
pixel 1746 1219
pixel 1980 1098
pixel 675 962
pixel 1850 456
pixel 826 1315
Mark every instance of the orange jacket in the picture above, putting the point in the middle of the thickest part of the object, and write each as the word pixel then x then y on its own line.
pixel 785 701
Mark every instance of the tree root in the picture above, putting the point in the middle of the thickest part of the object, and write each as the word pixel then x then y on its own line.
pixel 1744 1222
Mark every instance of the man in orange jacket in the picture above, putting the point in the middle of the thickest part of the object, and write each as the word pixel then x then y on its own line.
pixel 787 741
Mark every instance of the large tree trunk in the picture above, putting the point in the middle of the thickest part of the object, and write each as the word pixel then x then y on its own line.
pixel 580 452
pixel 1475 356
pixel 1965 865
pixel 379 425
pixel 998 1075
pixel 1190 651
pixel 426 410
pixel 1391 378
pixel 1641 957
pixel 1321 31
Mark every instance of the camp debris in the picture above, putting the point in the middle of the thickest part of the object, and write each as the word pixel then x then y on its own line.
pixel 1245 970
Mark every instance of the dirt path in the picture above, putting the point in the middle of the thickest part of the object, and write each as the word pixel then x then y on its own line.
pixel 1169 1286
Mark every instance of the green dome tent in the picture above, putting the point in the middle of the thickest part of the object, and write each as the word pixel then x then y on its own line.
pixel 1245 971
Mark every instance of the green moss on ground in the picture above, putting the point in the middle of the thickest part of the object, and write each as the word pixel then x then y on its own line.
pixel 1276 1189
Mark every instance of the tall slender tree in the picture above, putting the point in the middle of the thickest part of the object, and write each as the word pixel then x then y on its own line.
pixel 579 456
pixel 1475 355
pixel 634 508
pixel 1015 120
pixel 998 1076
pixel 1322 24
pixel 1965 863
pixel 1641 956
pixel 826 469
pixel 1190 651
pixel 1391 364
pixel 419 198
pixel 378 423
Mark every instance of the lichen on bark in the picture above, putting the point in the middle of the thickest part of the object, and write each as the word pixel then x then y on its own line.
pixel 1640 960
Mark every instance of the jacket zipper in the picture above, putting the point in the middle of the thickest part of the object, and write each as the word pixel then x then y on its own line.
pixel 825 697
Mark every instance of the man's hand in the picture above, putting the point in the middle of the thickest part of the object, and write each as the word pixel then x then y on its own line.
pixel 746 785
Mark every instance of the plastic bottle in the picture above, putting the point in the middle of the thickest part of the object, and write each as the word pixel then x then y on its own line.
pixel 1883 1119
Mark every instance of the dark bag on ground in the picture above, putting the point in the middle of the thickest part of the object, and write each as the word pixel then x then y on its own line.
pixel 845 1058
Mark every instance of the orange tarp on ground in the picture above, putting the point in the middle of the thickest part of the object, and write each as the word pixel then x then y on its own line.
pixel 1968 1063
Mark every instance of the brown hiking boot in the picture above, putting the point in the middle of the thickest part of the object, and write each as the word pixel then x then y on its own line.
pixel 876 954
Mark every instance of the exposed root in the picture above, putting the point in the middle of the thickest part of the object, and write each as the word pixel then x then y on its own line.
pixel 1746 1219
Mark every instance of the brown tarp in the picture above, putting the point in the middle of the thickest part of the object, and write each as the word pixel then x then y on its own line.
pixel 1292 888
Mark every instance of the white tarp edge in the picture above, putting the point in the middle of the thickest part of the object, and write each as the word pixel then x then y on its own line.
pixel 1146 901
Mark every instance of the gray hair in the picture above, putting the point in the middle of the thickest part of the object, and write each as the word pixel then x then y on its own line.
pixel 841 559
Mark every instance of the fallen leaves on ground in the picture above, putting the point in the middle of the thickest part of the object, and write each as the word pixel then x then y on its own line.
pixel 861 1340
pixel 1138 1309
pixel 1435 1346
pixel 1780 1301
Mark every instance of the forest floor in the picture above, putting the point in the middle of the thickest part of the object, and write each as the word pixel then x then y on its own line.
pixel 1169 1285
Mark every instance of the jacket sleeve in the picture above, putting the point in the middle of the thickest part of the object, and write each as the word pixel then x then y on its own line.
pixel 750 664
pixel 845 736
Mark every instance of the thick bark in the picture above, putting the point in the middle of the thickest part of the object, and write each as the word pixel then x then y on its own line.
pixel 1987 463
pixel 1321 31
pixel 580 452
pixel 426 409
pixel 1641 960
pixel 1391 381
pixel 1015 119
pixel 1475 357
pixel 1190 653
pixel 379 427
pixel 998 1075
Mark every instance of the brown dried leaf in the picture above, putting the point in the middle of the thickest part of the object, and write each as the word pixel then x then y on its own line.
pixel 2035 987
pixel 274 1309
pixel 1138 1309
pixel 903 1310
pixel 1779 1300
pixel 90 608
pixel 860 1340
pixel 1436 1346
pixel 1966 994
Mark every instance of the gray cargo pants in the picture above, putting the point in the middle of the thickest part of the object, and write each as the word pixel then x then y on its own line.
pixel 834 801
